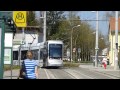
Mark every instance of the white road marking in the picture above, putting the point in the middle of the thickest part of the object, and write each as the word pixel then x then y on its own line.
pixel 71 72
pixel 47 74
pixel 51 74
pixel 106 75
pixel 83 74
pixel 71 75
pixel 102 73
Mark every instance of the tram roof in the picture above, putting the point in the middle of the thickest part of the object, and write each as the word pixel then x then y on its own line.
pixel 26 47
pixel 55 41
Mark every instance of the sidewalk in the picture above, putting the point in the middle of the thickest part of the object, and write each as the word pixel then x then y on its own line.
pixel 108 71
pixel 7 74
pixel 15 73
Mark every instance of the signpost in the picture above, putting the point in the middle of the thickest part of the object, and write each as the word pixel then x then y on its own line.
pixel 19 18
pixel 6 25
pixel 79 51
pixel 68 53
pixel 2 29
pixel 74 50
pixel 0 53
pixel 0 43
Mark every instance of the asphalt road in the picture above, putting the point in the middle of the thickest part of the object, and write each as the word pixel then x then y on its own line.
pixel 72 73
pixel 64 73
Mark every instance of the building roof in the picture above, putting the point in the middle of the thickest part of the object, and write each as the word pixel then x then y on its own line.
pixel 112 24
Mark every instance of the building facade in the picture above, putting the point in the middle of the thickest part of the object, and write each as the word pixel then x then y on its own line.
pixel 112 40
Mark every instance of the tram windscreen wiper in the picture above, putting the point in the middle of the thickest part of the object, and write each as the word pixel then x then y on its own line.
pixel 55 57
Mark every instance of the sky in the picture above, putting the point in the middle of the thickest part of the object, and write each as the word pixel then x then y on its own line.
pixel 88 15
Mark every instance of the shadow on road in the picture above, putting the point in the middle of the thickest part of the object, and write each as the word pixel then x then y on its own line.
pixel 53 67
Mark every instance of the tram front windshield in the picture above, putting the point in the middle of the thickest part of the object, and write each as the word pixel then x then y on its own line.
pixel 55 51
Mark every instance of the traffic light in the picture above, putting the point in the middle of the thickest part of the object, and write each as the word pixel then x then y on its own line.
pixel 11 26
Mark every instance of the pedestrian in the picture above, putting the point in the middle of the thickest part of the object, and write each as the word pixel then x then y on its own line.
pixel 29 68
pixel 104 62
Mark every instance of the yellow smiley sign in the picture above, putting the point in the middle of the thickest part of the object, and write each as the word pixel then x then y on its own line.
pixel 19 18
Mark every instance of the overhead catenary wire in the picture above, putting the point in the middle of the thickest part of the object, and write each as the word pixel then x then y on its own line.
pixel 82 20
pixel 33 39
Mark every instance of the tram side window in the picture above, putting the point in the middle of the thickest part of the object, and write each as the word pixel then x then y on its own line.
pixel 23 55
pixel 35 54
pixel 15 55
pixel 41 54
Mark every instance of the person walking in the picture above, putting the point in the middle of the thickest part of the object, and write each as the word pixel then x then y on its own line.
pixel 104 62
pixel 29 68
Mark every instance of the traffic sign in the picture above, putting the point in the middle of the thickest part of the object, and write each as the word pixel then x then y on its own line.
pixel 19 18
pixel 79 50
pixel 17 42
pixel 74 49
pixel 68 52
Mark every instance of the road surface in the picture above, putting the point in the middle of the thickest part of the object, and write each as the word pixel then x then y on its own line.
pixel 65 73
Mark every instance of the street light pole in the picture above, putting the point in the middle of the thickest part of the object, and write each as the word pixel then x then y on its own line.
pixel 44 36
pixel 71 40
pixel 71 45
pixel 116 42
pixel 43 16
pixel 96 48
pixel 79 51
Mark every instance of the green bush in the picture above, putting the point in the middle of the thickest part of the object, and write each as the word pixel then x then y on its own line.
pixel 70 64
pixel 8 67
pixel 86 62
